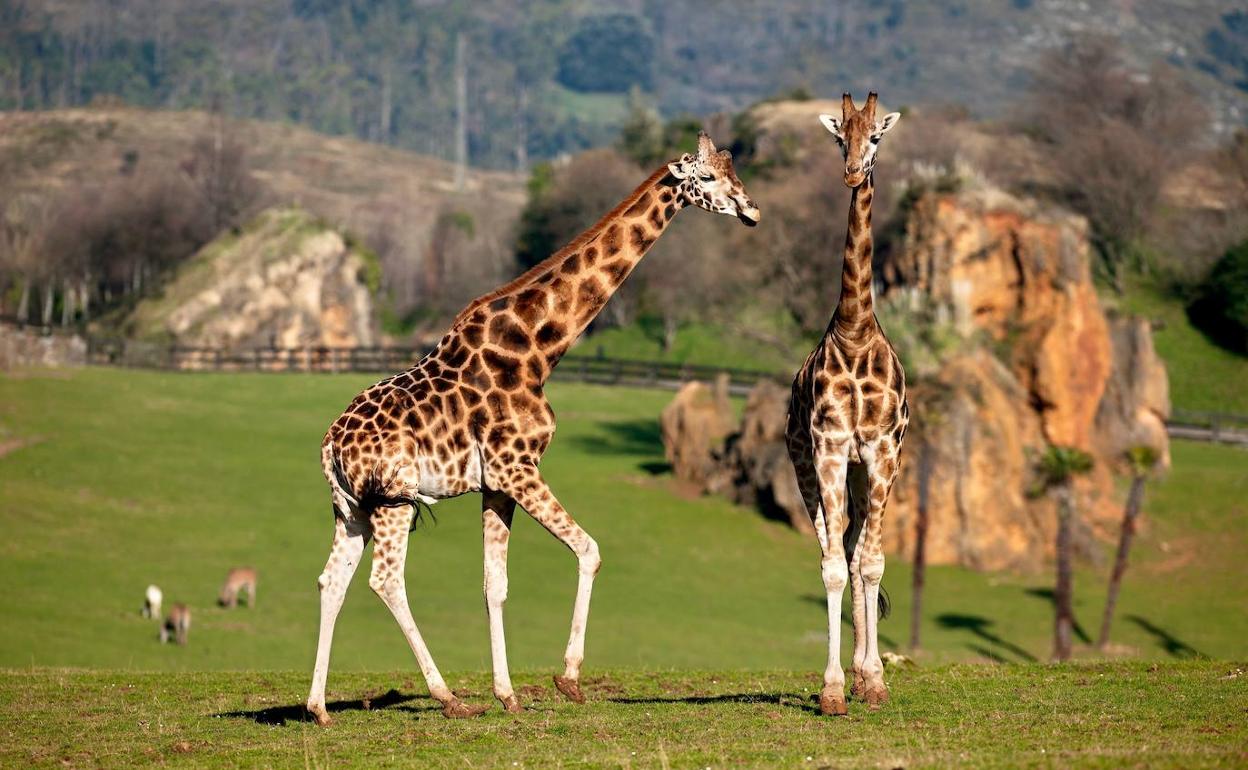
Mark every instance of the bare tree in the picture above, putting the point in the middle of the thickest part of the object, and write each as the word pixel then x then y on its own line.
pixel 218 171
pixel 1113 132
pixel 930 400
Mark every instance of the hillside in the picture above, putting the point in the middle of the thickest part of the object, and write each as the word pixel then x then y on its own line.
pixel 399 203
pixel 551 76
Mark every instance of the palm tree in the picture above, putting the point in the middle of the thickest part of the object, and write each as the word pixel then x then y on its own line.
pixel 1142 460
pixel 931 400
pixel 1057 469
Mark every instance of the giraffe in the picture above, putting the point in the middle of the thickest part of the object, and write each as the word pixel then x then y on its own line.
pixel 471 416
pixel 847 418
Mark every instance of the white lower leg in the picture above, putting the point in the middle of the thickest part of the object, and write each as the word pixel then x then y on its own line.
pixel 588 564
pixel 333 583
pixel 872 573
pixel 393 593
pixel 834 578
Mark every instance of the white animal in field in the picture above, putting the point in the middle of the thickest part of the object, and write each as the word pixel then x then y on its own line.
pixel 238 580
pixel 151 602
pixel 177 625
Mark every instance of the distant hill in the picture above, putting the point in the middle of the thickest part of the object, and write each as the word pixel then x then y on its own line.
pixel 545 77
pixel 400 203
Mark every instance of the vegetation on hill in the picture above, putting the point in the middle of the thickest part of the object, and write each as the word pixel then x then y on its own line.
pixel 384 70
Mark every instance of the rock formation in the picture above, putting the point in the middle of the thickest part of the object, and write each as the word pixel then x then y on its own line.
pixel 693 427
pixel 287 280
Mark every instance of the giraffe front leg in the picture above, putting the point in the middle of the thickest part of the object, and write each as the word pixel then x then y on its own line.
pixel 526 486
pixel 344 557
pixel 496 515
pixel 882 471
pixel 835 571
pixel 390 532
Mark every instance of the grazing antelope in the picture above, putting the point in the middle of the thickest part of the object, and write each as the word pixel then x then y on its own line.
pixel 177 625
pixel 240 578
pixel 151 602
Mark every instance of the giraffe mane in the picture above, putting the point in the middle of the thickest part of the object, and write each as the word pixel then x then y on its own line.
pixel 528 276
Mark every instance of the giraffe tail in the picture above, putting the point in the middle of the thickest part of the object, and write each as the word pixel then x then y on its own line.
pixel 885 603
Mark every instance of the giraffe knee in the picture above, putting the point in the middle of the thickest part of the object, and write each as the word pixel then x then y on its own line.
pixel 381 583
pixel 835 574
pixel 495 588
pixel 588 558
pixel 872 568
pixel 322 582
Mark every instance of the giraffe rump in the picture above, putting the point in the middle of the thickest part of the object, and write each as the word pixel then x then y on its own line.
pixel 377 493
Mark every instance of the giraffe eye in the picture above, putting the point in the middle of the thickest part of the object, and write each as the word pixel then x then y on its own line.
pixel 705 177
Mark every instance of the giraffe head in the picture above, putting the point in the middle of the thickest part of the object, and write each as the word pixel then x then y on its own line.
pixel 707 180
pixel 858 133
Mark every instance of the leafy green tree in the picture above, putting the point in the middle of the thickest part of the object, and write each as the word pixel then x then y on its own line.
pixel 1056 470
pixel 610 53
pixel 1221 306
pixel 1142 461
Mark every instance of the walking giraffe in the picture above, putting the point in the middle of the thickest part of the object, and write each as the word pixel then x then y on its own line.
pixel 471 416
pixel 847 419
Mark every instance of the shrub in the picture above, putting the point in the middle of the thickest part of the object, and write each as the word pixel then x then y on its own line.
pixel 1221 307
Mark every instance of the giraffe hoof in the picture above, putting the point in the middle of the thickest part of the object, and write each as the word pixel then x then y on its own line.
pixel 832 704
pixel 876 696
pixel 859 688
pixel 457 709
pixel 320 716
pixel 570 688
pixel 511 704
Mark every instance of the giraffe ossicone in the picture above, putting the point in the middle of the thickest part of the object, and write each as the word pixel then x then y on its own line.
pixel 847 419
pixel 472 417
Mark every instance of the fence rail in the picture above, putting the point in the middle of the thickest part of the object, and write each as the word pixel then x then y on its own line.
pixel 377 360
pixel 1214 427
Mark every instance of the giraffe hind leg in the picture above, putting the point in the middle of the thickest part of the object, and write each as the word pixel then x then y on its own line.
pixel 390 533
pixel 350 537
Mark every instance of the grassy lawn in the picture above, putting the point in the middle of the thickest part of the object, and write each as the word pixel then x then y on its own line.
pixel 1203 376
pixel 703 343
pixel 1182 715
pixel 114 479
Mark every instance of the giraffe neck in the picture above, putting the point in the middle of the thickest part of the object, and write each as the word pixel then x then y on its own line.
pixel 553 303
pixel 855 315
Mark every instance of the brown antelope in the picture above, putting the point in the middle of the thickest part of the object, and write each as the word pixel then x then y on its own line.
pixel 239 579
pixel 177 624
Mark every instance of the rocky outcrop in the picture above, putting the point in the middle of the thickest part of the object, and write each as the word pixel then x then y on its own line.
pixel 287 280
pixel 1037 363
pixel 693 428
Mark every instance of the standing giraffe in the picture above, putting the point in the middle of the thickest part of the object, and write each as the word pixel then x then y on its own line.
pixel 847 418
pixel 471 416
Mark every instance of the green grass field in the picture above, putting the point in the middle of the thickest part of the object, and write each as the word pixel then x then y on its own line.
pixel 112 479
pixel 1180 715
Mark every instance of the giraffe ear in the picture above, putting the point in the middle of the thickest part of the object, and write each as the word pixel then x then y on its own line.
pixel 833 124
pixel 680 168
pixel 887 123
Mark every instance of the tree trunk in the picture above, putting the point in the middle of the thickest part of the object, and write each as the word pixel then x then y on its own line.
pixel 23 303
pixel 461 113
pixel 84 299
pixel 49 299
pixel 522 130
pixel 67 304
pixel 670 327
pixel 1064 620
pixel 918 578
pixel 1135 499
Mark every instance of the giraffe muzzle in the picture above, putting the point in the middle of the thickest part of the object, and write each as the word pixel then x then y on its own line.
pixel 749 215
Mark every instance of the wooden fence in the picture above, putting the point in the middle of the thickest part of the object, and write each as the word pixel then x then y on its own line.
pixel 383 360
pixel 1201 426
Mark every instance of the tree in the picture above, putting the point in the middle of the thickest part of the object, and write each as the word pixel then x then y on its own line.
pixel 1142 460
pixel 1112 135
pixel 1221 305
pixel 608 53
pixel 1056 469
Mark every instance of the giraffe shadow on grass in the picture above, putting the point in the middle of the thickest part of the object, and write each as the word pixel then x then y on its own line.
pixel 788 699
pixel 1175 647
pixel 280 715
